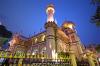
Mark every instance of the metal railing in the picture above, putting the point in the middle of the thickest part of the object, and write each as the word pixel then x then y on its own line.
pixel 38 62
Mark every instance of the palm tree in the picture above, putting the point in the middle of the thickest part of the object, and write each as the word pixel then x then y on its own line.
pixel 96 18
pixel 95 1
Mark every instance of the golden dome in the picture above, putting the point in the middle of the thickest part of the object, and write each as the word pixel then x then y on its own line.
pixel 68 24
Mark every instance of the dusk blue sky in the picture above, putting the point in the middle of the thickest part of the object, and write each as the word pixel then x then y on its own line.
pixel 29 16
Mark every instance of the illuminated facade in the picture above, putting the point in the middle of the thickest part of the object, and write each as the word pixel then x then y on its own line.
pixel 52 41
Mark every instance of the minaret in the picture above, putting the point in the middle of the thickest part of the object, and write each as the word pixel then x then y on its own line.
pixel 50 27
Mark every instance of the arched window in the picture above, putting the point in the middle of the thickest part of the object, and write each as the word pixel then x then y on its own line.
pixel 35 40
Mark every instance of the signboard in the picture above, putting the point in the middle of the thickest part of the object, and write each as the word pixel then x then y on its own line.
pixel 6 54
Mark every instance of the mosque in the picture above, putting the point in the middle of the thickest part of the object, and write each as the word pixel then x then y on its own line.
pixel 53 42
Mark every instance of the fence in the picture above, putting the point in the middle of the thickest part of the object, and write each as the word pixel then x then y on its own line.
pixel 83 63
pixel 38 62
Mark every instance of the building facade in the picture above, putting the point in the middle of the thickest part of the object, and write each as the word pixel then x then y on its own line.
pixel 53 41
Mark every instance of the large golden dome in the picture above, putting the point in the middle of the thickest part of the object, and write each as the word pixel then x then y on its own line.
pixel 68 24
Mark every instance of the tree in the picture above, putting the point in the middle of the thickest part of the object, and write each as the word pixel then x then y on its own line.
pixel 4 35
pixel 4 32
pixel 96 18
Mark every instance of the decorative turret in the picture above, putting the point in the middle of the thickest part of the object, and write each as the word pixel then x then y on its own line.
pixel 50 13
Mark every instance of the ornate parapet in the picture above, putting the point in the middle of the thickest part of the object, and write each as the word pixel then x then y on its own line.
pixel 50 24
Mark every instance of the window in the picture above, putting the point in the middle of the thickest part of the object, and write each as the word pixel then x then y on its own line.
pixel 35 40
pixel 43 38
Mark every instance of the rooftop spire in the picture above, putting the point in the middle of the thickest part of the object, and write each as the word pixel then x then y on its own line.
pixel 50 13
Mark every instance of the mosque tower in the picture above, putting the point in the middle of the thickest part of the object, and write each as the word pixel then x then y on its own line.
pixel 50 27
pixel 75 44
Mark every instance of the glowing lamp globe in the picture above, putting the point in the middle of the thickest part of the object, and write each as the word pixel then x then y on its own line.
pixel 50 9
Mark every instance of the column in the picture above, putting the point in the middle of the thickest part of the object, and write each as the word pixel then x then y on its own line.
pixel 50 39
pixel 73 58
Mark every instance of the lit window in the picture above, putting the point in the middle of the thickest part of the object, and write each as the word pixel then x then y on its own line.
pixel 35 40
pixel 33 53
pixel 43 38
pixel 44 48
pixel 99 59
